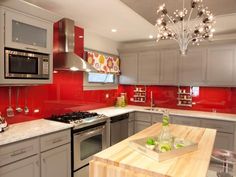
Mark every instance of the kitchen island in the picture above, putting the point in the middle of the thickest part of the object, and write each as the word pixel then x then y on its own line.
pixel 122 161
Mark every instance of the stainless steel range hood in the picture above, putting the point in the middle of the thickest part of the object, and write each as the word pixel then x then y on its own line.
pixel 65 58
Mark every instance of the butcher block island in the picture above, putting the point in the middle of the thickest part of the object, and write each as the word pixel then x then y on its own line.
pixel 121 160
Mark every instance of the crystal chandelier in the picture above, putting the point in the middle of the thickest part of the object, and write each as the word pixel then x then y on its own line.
pixel 183 28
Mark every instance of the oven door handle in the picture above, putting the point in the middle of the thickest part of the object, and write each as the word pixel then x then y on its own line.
pixel 90 132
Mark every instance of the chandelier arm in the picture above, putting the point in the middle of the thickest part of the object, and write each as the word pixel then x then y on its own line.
pixel 189 17
pixel 175 29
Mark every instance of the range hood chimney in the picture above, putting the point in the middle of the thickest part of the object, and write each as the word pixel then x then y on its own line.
pixel 65 58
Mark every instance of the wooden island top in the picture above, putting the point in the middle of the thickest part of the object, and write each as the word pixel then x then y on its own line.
pixel 121 160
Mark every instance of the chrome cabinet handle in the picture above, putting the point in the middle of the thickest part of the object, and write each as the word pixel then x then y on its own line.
pixel 16 153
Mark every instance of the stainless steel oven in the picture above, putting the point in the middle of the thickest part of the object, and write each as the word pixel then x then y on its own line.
pixel 26 65
pixel 87 142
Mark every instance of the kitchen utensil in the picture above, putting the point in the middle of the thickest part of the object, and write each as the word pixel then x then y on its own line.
pixel 10 111
pixel 26 109
pixel 3 123
pixel 18 108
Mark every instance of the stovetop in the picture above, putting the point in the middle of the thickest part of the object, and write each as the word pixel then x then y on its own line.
pixel 77 118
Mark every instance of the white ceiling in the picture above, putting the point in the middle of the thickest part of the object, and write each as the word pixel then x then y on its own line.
pixel 100 16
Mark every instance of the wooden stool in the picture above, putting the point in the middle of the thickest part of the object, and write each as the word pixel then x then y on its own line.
pixel 227 158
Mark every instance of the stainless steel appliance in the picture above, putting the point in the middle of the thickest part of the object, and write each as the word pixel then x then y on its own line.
pixel 88 138
pixel 26 65
pixel 119 128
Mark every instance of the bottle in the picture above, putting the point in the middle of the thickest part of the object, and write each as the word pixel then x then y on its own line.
pixel 165 138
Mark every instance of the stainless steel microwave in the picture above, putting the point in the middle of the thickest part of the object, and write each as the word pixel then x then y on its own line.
pixel 26 65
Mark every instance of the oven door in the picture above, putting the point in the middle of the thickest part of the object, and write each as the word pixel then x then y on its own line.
pixel 86 144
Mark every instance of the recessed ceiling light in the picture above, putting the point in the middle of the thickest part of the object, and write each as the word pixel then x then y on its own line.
pixel 114 30
pixel 151 36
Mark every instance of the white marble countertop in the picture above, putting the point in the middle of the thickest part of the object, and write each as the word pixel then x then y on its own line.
pixel 114 111
pixel 30 129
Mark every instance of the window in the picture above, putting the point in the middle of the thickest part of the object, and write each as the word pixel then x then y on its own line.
pixel 100 78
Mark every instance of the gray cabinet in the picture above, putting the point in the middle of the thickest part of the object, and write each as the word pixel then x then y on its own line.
pixel 221 65
pixel 27 32
pixel 139 126
pixel 129 68
pixel 189 121
pixel 224 141
pixel 156 118
pixel 148 68
pixel 56 162
pixel 142 121
pixel 169 67
pixel 192 67
pixel 131 124
pixel 29 167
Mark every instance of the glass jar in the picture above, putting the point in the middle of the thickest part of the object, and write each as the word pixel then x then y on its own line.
pixel 165 139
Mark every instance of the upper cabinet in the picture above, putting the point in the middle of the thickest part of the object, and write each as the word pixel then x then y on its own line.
pixel 221 66
pixel 205 66
pixel 129 68
pixel 27 32
pixel 169 67
pixel 148 68
pixel 192 67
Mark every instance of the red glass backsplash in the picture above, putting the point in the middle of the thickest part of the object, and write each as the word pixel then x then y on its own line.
pixel 66 94
pixel 209 98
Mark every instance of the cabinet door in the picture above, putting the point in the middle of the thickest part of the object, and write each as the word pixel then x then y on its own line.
pixel 27 32
pixel 139 126
pixel 169 67
pixel 131 128
pixel 56 162
pixel 148 68
pixel 224 141
pixel 28 167
pixel 189 121
pixel 220 66
pixel 193 67
pixel 156 118
pixel 129 69
pixel 143 116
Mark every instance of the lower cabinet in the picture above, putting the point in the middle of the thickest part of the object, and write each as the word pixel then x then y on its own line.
pixel 189 121
pixel 224 141
pixel 139 126
pixel 29 167
pixel 131 124
pixel 56 162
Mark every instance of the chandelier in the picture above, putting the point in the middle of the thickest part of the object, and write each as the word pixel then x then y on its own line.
pixel 183 28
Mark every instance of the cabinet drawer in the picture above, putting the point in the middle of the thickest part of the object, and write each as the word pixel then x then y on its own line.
pixel 142 116
pixel 220 126
pixel 16 151
pixel 186 121
pixel 54 140
pixel 139 126
pixel 224 141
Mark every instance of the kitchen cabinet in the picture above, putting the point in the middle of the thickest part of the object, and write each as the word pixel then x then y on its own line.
pixel 221 65
pixel 169 67
pixel 56 162
pixel 189 121
pixel 131 124
pixel 157 118
pixel 192 67
pixel 148 68
pixel 139 126
pixel 129 68
pixel 29 167
pixel 27 32
pixel 142 121
pixel 224 141
pixel 45 156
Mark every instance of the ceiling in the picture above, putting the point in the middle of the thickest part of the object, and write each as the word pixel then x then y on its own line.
pixel 133 19
pixel 148 10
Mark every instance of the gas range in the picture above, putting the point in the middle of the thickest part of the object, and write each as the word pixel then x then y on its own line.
pixel 79 119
